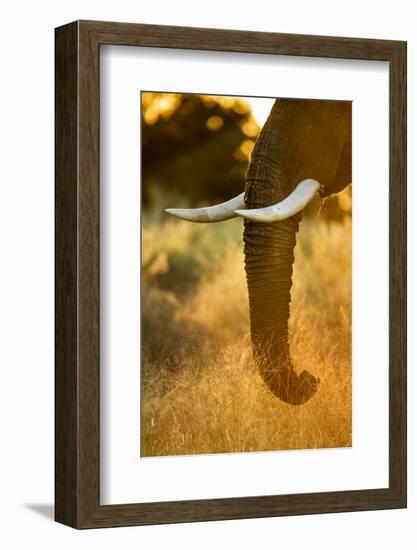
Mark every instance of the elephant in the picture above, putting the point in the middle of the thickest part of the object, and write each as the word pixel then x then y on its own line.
pixel 304 148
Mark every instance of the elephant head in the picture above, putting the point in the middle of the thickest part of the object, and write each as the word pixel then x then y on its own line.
pixel 303 148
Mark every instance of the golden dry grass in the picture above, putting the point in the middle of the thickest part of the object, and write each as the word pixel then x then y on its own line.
pixel 201 392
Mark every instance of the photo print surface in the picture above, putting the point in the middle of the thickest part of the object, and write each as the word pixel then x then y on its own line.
pixel 246 295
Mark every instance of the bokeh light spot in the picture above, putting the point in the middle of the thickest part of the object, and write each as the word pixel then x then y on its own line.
pixel 214 123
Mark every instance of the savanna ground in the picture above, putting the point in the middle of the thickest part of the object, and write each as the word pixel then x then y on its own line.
pixel 201 392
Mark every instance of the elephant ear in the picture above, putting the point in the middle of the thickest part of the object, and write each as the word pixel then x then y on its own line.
pixel 343 175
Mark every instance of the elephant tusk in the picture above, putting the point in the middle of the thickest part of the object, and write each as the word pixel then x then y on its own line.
pixel 294 203
pixel 218 213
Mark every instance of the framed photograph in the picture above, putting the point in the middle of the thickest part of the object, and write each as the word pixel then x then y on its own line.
pixel 230 274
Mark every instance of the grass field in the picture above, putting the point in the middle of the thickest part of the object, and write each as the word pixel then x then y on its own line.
pixel 201 392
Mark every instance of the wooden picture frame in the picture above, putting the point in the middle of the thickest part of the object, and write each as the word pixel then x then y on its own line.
pixel 77 372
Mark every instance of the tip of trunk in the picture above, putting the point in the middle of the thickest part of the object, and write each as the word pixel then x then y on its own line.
pixel 292 388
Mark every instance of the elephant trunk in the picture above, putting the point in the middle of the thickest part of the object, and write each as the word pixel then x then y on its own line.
pixel 269 258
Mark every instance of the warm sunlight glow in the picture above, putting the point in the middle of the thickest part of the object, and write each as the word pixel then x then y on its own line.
pixel 157 105
pixel 214 123
pixel 250 128
pixel 260 107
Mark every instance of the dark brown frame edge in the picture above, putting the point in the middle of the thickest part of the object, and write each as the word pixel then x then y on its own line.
pixel 77 274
